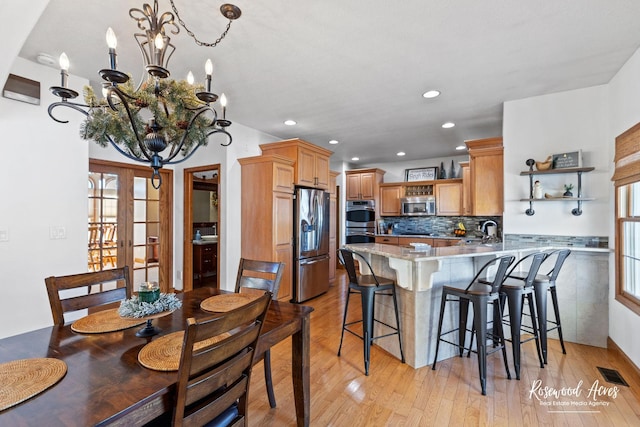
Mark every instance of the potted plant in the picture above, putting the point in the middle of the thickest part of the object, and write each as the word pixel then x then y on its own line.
pixel 567 190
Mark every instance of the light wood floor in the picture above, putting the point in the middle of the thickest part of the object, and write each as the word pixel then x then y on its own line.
pixel 395 394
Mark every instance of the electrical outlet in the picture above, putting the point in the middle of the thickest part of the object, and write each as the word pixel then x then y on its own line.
pixel 57 232
pixel 4 234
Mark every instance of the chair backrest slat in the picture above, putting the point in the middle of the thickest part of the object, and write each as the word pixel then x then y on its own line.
pixel 264 275
pixel 347 259
pixel 501 273
pixel 562 255
pixel 121 290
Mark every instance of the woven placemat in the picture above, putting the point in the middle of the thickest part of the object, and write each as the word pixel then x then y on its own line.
pixel 163 354
pixel 23 379
pixel 226 302
pixel 104 321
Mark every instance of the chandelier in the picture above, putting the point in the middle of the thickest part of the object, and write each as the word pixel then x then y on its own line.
pixel 140 123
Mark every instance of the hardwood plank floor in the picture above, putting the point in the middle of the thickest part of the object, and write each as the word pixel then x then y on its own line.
pixel 394 394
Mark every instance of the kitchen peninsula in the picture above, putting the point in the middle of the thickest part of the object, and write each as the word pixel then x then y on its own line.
pixel 420 274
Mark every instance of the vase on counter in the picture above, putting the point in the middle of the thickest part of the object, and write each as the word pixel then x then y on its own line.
pixel 443 172
pixel 452 171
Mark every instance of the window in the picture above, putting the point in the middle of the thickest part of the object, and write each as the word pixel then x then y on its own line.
pixel 627 192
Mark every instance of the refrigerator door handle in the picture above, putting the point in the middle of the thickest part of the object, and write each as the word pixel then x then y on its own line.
pixel 313 260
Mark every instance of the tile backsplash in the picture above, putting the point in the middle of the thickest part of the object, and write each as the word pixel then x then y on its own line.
pixel 440 225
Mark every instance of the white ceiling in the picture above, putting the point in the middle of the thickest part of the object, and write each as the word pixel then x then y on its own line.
pixel 355 70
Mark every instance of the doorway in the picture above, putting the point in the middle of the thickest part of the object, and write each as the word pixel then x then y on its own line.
pixel 201 209
pixel 129 222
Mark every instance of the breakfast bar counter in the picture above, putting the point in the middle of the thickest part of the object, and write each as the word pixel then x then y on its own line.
pixel 420 274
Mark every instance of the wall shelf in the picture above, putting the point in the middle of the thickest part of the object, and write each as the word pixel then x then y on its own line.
pixel 578 199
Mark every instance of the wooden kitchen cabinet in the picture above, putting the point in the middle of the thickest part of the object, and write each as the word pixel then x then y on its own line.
pixel 363 184
pixel 311 163
pixel 387 240
pixel 449 198
pixel 267 213
pixel 205 264
pixel 390 200
pixel 486 176
pixel 466 188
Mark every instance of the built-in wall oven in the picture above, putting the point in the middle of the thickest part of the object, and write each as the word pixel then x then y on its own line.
pixel 361 221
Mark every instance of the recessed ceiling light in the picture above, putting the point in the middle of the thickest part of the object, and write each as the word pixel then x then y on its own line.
pixel 333 142
pixel 355 159
pixel 400 153
pixel 289 122
pixel 448 125
pixel 431 94
pixel 461 147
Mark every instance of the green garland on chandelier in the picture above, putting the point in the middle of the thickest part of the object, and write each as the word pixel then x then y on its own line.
pixel 176 97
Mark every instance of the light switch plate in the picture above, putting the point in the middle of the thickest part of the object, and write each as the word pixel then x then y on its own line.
pixel 4 234
pixel 57 232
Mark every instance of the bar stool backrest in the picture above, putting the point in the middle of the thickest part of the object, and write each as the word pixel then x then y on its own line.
pixel 562 255
pixel 346 257
pixel 503 264
pixel 537 258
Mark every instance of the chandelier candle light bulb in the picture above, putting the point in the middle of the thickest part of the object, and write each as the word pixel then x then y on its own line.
pixel 223 102
pixel 112 42
pixel 64 68
pixel 208 69
pixel 190 78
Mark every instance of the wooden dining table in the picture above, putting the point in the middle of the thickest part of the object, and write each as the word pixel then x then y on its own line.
pixel 106 385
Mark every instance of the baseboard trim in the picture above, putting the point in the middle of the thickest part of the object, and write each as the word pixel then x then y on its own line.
pixel 611 345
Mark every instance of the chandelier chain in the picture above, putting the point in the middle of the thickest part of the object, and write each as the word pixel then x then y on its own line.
pixel 198 42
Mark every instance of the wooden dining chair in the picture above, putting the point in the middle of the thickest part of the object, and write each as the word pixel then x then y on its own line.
pixel 266 276
pixel 86 290
pixel 214 374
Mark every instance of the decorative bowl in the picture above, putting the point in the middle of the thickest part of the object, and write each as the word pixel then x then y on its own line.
pixel 543 166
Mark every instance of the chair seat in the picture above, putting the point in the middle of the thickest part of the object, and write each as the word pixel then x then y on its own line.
pixel 366 281
pixel 513 283
pixel 477 288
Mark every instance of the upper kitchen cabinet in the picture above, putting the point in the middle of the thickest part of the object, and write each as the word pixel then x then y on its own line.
pixel 390 199
pixel 311 167
pixel 449 198
pixel 486 177
pixel 363 184
pixel 466 188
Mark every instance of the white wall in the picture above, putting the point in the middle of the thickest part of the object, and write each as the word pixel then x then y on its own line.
pixel 43 183
pixel 624 112
pixel 552 124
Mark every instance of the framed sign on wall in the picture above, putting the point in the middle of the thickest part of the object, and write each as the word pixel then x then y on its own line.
pixel 421 174
pixel 567 160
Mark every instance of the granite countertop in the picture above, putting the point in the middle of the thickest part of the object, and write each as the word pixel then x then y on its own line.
pixel 205 242
pixel 422 236
pixel 463 250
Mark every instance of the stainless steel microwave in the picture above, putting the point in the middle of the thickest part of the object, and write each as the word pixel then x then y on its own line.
pixel 418 206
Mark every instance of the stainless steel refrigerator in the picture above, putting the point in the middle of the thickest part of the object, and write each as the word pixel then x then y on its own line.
pixel 311 243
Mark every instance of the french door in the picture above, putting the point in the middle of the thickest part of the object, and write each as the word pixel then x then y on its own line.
pixel 130 222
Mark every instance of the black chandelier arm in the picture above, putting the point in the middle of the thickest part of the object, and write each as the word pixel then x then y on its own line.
pixel 121 95
pixel 78 107
pixel 175 150
pixel 222 131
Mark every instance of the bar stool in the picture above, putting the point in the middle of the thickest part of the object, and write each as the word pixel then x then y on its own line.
pixel 543 285
pixel 368 286
pixel 479 292
pixel 516 291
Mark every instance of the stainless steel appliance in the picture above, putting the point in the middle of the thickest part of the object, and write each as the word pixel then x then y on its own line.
pixel 418 206
pixel 311 243
pixel 360 221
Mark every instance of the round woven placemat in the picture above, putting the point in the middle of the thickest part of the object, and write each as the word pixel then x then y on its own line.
pixel 163 354
pixel 23 379
pixel 226 302
pixel 104 321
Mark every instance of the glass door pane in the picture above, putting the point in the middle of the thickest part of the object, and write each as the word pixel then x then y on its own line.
pixel 146 231
pixel 102 221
